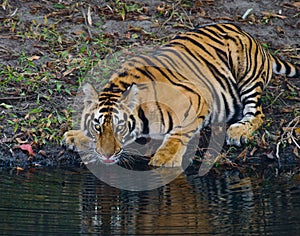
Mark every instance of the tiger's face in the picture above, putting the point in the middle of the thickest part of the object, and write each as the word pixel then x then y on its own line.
pixel 111 128
pixel 111 132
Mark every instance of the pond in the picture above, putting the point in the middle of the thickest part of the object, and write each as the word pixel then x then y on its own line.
pixel 74 201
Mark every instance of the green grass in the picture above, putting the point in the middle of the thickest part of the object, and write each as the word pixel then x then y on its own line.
pixel 36 87
pixel 122 8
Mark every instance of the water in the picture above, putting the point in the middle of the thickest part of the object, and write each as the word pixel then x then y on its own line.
pixel 60 201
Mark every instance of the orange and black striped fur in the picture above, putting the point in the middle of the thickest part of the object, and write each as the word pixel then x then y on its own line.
pixel 214 72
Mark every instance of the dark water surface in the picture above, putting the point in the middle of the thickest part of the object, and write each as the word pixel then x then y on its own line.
pixel 60 201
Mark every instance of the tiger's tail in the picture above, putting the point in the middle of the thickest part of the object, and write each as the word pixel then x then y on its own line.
pixel 284 67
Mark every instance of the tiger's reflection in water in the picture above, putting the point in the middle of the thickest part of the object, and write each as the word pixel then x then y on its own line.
pixel 185 206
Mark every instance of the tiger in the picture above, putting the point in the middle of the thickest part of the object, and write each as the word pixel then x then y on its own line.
pixel 213 72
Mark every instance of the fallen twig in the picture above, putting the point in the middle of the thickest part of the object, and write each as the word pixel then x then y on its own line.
pixel 288 135
pixel 171 15
pixel 13 98
pixel 269 14
pixel 87 20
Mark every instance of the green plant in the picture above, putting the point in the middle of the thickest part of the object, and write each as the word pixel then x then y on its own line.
pixel 122 8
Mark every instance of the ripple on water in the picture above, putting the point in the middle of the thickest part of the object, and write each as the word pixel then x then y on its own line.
pixel 75 201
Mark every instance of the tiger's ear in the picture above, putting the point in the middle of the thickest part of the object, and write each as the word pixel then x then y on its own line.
pixel 90 95
pixel 130 97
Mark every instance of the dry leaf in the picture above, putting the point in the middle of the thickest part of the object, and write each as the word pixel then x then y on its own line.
pixel 28 148
pixel 43 153
pixel 33 58
pixel 291 129
pixel 68 71
pixel 296 152
pixel 135 29
pixel 89 17
pixel 79 32
pixel 141 17
pixel 294 4
pixel 279 30
pixel 263 143
pixel 297 131
pixel 287 109
pixel 20 141
pixel 61 153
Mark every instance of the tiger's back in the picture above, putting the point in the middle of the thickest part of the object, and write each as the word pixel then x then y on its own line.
pixel 220 72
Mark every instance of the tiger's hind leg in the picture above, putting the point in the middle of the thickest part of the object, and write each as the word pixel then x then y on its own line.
pixel 242 131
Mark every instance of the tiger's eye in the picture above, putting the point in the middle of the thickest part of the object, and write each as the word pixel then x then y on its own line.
pixel 98 127
pixel 119 128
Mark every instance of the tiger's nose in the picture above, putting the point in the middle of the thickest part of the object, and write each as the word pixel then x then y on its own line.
pixel 108 153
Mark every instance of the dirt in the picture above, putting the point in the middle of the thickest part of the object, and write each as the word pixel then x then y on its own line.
pixel 41 31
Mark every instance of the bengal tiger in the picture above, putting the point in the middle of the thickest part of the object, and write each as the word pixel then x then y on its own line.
pixel 211 72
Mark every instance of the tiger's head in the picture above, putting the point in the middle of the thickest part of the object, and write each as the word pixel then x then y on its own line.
pixel 110 121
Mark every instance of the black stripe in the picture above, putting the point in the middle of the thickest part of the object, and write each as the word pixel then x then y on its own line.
pixel 221 78
pixel 107 102
pixel 108 94
pixel 249 113
pixel 257 113
pixel 217 74
pixel 131 127
pixel 205 81
pixel 146 73
pixel 169 58
pixel 185 61
pixel 256 71
pixel 104 109
pixel 124 84
pixel 166 76
pixel 278 64
pixel 190 106
pixel 227 110
pixel 231 28
pixel 257 84
pixel 109 109
pixel 123 74
pixel 170 122
pixel 217 27
pixel 213 68
pixel 248 56
pixel 287 68
pixel 193 41
pixel 114 110
pixel 223 56
pixel 87 120
pixel 197 67
pixel 212 36
pixel 145 121
pixel 111 87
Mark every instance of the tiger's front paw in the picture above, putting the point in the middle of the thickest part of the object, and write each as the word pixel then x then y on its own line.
pixel 165 159
pixel 76 140
pixel 239 133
